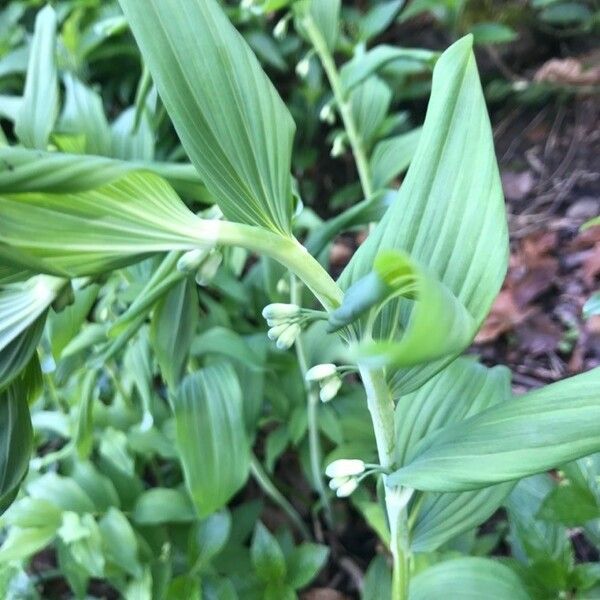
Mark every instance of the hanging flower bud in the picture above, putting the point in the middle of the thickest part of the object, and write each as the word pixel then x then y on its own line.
pixel 329 388
pixel 347 488
pixel 209 267
pixel 327 114
pixel 275 332
pixel 320 372
pixel 191 260
pixel 339 146
pixel 288 337
pixel 281 28
pixel 303 67
pixel 283 286
pixel 280 312
pixel 345 467
pixel 336 482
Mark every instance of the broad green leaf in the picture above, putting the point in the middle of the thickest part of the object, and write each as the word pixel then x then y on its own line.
pixel 39 107
pixel 138 363
pixel 16 355
pixel 82 536
pixel 16 438
pixel 21 304
pixel 211 436
pixel 99 230
pixel 162 505
pixel 393 156
pixel 509 441
pixel 225 342
pixel 83 114
pixel 129 142
pixel 23 543
pixel 449 214
pixel 172 331
pixel 379 18
pixel 209 537
pixel 84 436
pixel 566 13
pixel 23 170
pixel 378 580
pixel 534 540
pixel 464 388
pixel 304 564
pixel 570 504
pixel 63 492
pixel 364 65
pixel 468 578
pixel 119 542
pixel 493 33
pixel 31 512
pixel 231 121
pixel 98 487
pixel 370 102
pixel 267 557
pixel 326 15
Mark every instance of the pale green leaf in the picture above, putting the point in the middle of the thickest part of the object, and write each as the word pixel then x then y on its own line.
pixel 63 492
pixel 392 156
pixel 99 230
pixel 39 107
pixel 211 436
pixel 326 15
pixel 172 331
pixel 23 543
pixel 23 170
pixel 119 542
pixel 231 121
pixel 162 505
pixel 449 215
pixel 509 441
pixel 468 578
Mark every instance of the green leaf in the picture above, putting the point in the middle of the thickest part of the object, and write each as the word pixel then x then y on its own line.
pixel 304 564
pixel 378 580
pixel 162 505
pixel 393 156
pixel 209 538
pixel 84 436
pixel 464 388
pixel 23 170
pixel 83 113
pixel 99 230
pixel 231 121
pixel 267 557
pixel 32 512
pixel 23 543
pixel 370 102
pixel 379 18
pixel 364 65
pixel 173 327
pixel 566 13
pixel 509 441
pixel 39 107
pixel 119 542
pixel 468 578
pixel 449 215
pixel 16 439
pixel 211 436
pixel 326 15
pixel 63 492
pixel 569 504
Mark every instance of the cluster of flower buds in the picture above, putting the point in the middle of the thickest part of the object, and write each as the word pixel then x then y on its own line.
pixel 205 262
pixel 344 474
pixel 326 375
pixel 285 323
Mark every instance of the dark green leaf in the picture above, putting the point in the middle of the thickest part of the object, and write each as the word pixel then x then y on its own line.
pixel 267 557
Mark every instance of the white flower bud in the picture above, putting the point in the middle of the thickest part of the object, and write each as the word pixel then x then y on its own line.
pixel 279 311
pixel 208 269
pixel 347 488
pixel 320 372
pixel 345 467
pixel 191 260
pixel 303 67
pixel 327 115
pixel 336 482
pixel 276 331
pixel 288 337
pixel 339 146
pixel 280 30
pixel 283 286
pixel 330 388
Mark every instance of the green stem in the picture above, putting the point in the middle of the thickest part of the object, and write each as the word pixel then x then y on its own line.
pixel 276 496
pixel 312 400
pixel 381 407
pixel 343 103
pixel 286 250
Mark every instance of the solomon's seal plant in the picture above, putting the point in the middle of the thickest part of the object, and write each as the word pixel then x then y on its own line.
pixel 450 440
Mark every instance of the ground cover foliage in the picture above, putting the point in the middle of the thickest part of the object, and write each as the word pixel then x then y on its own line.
pixel 259 293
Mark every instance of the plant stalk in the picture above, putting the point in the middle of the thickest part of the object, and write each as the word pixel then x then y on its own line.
pixel 343 103
pixel 381 407
pixel 276 496
pixel 312 401
pixel 287 251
